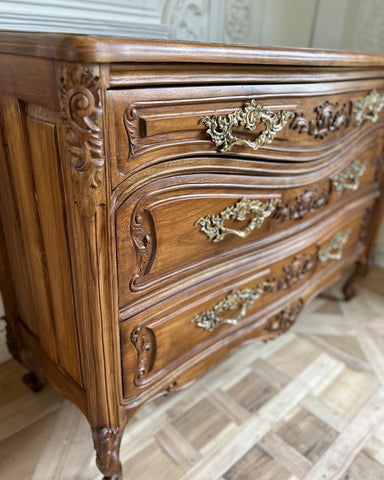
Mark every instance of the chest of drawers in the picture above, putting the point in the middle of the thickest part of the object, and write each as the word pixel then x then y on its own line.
pixel 162 203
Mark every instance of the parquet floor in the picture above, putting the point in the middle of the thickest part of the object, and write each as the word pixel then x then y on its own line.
pixel 309 406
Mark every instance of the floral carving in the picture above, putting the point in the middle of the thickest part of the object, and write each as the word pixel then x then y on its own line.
pixel 306 202
pixel 144 341
pixel 81 102
pixel 297 269
pixel 107 445
pixel 329 118
pixel 282 321
pixel 142 240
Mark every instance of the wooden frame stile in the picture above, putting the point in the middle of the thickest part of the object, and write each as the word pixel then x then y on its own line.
pixel 87 194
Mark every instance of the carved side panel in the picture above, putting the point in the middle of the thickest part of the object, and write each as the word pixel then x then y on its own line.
pixel 144 340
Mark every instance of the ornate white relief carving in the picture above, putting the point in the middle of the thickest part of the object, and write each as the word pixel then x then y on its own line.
pixel 369 30
pixel 188 20
pixel 237 20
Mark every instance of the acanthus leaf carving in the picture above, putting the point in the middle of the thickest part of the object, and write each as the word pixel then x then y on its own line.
pixel 143 241
pixel 329 118
pixel 131 125
pixel 282 321
pixel 144 341
pixel 304 203
pixel 107 441
pixel 81 104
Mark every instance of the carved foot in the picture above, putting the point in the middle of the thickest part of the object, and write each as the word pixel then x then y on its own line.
pixel 33 382
pixel 107 445
pixel 35 379
pixel 361 270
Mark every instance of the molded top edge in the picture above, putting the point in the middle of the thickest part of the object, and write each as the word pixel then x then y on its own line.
pixel 89 49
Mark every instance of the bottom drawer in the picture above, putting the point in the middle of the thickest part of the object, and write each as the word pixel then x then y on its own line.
pixel 159 340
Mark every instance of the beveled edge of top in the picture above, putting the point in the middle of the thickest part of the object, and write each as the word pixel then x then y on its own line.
pixel 93 49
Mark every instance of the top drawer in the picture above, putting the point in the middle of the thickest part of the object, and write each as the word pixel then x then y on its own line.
pixel 301 122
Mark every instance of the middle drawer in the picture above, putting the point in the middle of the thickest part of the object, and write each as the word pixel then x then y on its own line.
pixel 176 226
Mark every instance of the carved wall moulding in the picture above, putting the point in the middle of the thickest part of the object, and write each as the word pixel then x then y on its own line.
pixel 144 341
pixel 81 103
pixel 329 118
pixel 306 202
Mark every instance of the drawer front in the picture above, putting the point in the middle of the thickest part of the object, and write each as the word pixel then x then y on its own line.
pixel 176 227
pixel 280 122
pixel 157 341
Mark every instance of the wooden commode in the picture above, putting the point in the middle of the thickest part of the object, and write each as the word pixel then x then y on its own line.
pixel 161 203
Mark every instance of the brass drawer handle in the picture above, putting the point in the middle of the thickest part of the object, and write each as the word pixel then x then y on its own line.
pixel 368 108
pixel 334 250
pixel 349 178
pixel 220 129
pixel 237 299
pixel 213 225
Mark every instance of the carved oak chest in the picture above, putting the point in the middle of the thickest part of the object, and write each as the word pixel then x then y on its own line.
pixel 161 203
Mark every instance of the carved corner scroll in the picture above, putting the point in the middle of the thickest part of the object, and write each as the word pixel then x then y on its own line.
pixel 81 104
pixel 220 129
pixel 144 241
pixel 213 225
pixel 131 125
pixel 144 341
pixel 329 118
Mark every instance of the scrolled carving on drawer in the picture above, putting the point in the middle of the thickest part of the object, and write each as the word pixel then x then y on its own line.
pixel 282 321
pixel 329 118
pixel 349 178
pixel 220 129
pixel 213 225
pixel 144 242
pixel 237 299
pixel 334 250
pixel 144 341
pixel 304 203
pixel 368 108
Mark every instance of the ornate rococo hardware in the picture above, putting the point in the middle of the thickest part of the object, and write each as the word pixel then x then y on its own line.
pixel 368 108
pixel 213 225
pixel 334 250
pixel 237 299
pixel 220 129
pixel 349 178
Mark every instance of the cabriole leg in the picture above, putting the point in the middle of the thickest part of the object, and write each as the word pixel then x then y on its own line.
pixel 107 445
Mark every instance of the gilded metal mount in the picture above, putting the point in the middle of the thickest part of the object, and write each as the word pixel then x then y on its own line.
pixel 220 129
pixel 213 225
pixel 368 108
pixel 334 250
pixel 241 300
pixel 349 178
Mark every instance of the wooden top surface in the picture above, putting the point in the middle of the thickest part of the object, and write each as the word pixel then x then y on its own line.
pixel 85 48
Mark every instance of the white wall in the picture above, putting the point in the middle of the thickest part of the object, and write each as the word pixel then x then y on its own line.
pixel 337 24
